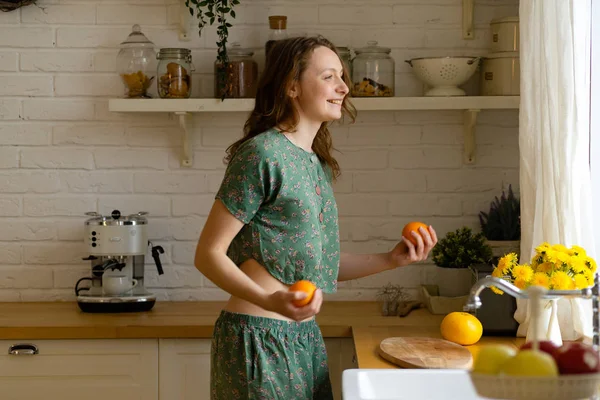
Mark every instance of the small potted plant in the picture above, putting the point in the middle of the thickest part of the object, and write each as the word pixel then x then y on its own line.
pixel 501 226
pixel 223 12
pixel 454 255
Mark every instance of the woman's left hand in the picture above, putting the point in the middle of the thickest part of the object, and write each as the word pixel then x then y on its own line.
pixel 406 253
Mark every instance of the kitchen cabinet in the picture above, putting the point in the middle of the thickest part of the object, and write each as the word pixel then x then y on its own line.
pixel 341 355
pixel 91 369
pixel 184 367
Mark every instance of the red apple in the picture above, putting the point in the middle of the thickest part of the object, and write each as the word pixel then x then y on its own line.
pixel 577 358
pixel 545 345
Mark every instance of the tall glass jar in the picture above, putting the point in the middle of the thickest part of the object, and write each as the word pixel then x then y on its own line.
pixel 346 58
pixel 240 78
pixel 277 31
pixel 373 72
pixel 136 64
pixel 174 73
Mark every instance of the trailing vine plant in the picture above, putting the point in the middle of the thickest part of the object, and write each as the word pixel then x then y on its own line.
pixel 216 10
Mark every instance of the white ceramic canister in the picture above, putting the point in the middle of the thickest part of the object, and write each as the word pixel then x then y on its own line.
pixel 500 74
pixel 505 34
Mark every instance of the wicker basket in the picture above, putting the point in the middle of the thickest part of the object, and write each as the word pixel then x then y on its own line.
pixel 564 387
pixel 10 5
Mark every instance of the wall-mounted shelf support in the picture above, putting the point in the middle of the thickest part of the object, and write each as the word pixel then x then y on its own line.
pixel 185 123
pixel 469 122
pixel 185 22
pixel 467 19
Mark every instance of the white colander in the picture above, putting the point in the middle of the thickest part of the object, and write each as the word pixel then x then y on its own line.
pixel 444 74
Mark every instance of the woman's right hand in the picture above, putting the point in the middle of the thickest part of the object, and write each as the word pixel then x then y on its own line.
pixel 281 302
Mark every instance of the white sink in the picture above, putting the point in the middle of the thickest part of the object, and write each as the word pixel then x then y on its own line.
pixel 407 384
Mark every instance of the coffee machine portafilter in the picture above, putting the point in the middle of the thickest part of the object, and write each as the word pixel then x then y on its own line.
pixel 117 248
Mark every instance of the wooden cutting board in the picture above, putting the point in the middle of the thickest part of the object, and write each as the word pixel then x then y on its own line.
pixel 423 352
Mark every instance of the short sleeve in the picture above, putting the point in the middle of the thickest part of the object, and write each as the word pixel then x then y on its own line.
pixel 243 189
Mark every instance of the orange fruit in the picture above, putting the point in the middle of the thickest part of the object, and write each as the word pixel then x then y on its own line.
pixel 462 328
pixel 306 287
pixel 412 226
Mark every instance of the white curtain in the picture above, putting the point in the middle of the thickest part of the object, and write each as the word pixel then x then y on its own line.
pixel 555 185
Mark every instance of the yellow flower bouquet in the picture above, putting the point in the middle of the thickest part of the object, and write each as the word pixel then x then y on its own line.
pixel 554 267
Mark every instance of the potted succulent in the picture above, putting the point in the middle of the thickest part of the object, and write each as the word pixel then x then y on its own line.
pixel 454 254
pixel 501 225
pixel 220 11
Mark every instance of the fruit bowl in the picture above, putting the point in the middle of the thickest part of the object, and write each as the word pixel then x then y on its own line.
pixel 444 74
pixel 563 387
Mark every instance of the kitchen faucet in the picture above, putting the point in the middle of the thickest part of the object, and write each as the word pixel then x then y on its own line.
pixel 473 303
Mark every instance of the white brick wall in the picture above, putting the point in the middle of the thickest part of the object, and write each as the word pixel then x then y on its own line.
pixel 62 152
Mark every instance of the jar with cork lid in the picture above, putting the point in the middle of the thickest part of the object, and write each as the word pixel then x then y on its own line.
pixel 240 78
pixel 277 31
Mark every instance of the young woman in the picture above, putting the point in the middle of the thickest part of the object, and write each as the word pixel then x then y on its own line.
pixel 274 222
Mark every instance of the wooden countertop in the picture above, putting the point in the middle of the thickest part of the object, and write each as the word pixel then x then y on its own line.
pixel 64 320
pixel 360 320
pixel 367 339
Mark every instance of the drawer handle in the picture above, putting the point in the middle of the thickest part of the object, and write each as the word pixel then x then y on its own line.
pixel 24 349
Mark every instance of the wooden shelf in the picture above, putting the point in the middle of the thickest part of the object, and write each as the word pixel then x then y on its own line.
pixel 183 109
pixel 361 103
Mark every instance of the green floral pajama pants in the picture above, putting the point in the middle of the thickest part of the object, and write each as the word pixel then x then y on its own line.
pixel 261 358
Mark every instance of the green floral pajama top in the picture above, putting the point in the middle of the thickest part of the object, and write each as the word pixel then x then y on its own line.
pixel 283 195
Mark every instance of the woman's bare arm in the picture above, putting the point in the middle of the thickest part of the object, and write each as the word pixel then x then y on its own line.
pixel 211 256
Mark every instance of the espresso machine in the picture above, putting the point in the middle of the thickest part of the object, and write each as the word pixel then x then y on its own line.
pixel 117 248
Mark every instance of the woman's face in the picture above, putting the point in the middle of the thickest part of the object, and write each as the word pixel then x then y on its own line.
pixel 319 93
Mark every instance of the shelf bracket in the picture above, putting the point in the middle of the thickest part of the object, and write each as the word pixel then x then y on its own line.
pixel 469 122
pixel 185 123
pixel 185 22
pixel 467 19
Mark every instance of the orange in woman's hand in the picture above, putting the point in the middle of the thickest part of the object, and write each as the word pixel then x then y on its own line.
pixel 413 226
pixel 306 287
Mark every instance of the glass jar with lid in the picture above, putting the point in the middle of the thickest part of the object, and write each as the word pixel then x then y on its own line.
pixel 174 73
pixel 346 57
pixel 373 72
pixel 240 78
pixel 136 64
pixel 277 31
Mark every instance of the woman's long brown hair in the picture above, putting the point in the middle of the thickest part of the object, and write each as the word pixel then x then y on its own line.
pixel 285 64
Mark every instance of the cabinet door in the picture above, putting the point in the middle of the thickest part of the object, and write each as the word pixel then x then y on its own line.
pixel 340 356
pixel 184 369
pixel 111 369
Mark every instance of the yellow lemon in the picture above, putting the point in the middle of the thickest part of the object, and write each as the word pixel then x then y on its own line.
pixel 462 328
pixel 491 358
pixel 530 363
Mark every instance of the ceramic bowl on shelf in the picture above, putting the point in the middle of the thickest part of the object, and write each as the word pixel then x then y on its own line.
pixel 444 74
